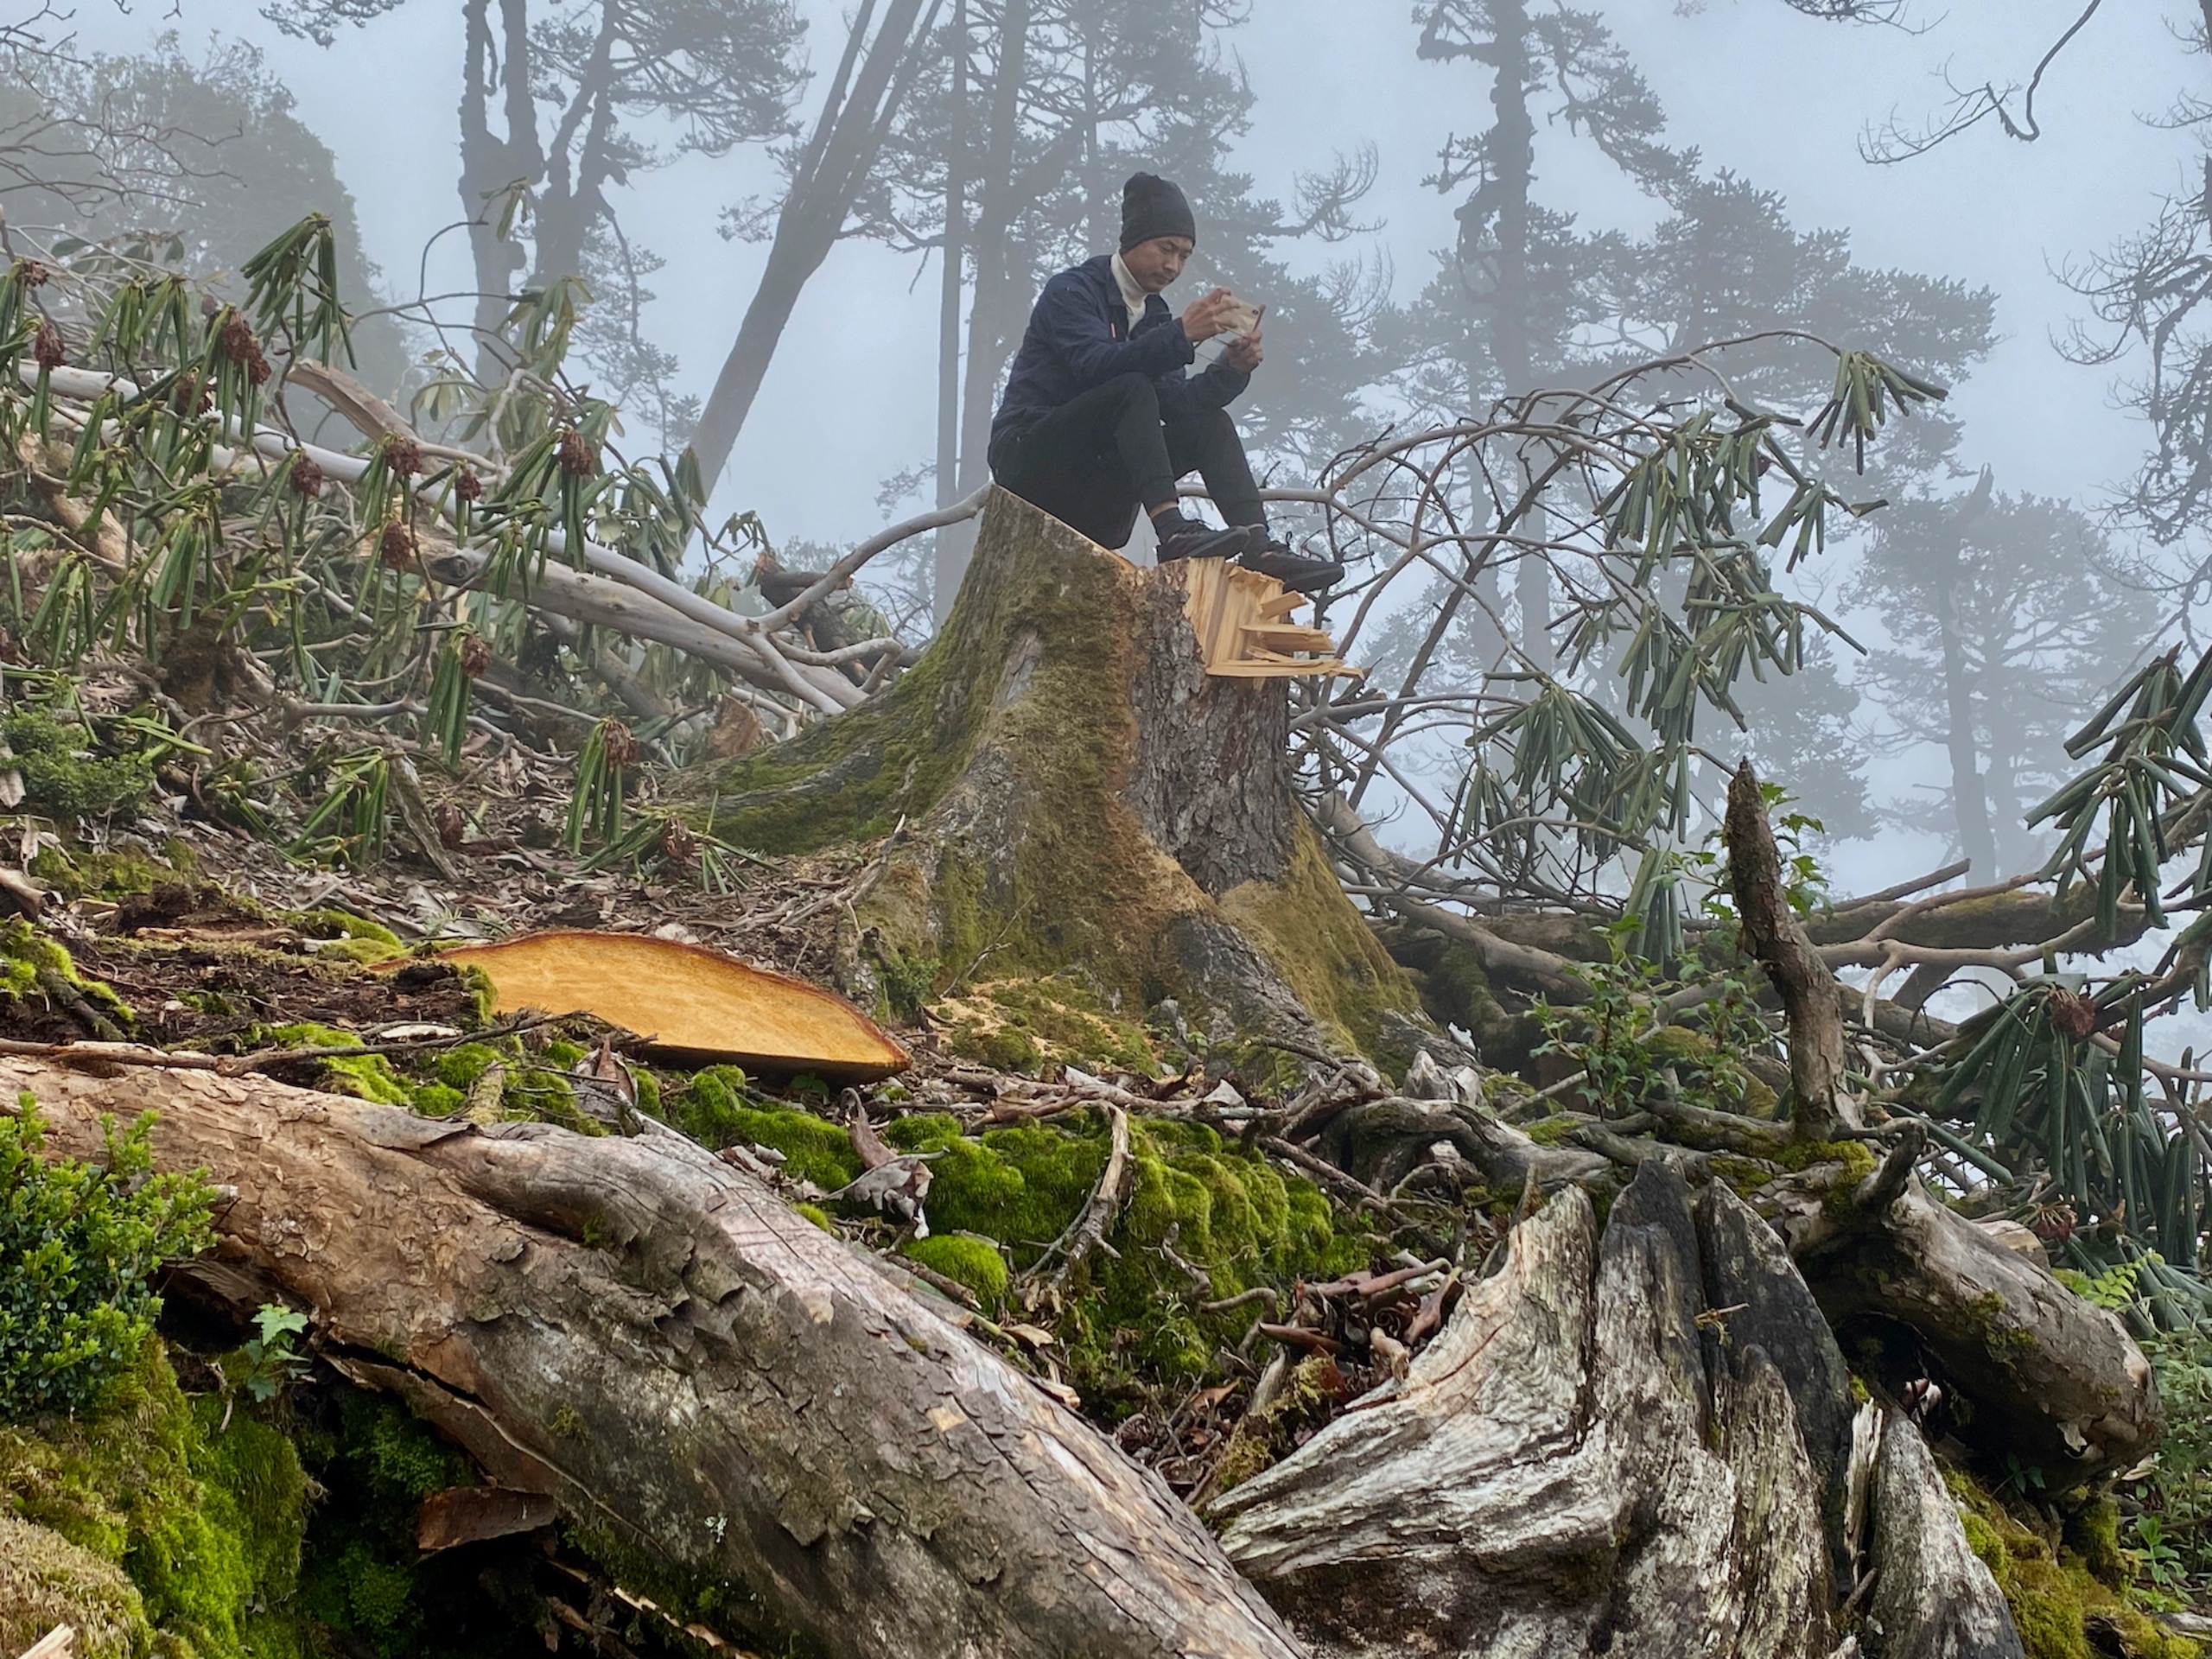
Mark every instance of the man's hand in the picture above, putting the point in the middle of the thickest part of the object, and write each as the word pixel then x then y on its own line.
pixel 1243 354
pixel 1208 315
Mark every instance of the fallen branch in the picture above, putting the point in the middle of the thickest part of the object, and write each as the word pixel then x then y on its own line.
pixel 1088 1229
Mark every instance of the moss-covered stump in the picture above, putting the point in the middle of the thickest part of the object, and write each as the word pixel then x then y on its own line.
pixel 1078 795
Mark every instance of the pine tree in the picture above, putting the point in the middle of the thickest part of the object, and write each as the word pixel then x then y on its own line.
pixel 2007 615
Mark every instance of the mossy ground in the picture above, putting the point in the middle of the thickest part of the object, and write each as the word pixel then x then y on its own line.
pixel 998 1200
pixel 2053 1585
pixel 172 1530
pixel 1021 1025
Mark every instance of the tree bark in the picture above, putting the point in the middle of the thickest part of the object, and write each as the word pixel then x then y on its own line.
pixel 714 1392
pixel 2055 1381
pixel 1777 938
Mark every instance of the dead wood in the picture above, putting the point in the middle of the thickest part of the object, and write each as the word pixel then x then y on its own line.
pixel 1776 936
pixel 1088 1230
pixel 711 1390
pixel 1581 1459
pixel 2055 1381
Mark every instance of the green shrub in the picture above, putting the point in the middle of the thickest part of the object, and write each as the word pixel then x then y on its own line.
pixel 78 1244
pixel 63 776
pixel 2181 1487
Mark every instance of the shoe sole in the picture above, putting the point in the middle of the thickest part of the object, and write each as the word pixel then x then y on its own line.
pixel 1231 547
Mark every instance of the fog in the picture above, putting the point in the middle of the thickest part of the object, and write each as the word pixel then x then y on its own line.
pixel 1760 91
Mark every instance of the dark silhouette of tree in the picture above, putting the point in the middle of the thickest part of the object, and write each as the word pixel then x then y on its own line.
pixel 2006 616
pixel 561 103
pixel 200 164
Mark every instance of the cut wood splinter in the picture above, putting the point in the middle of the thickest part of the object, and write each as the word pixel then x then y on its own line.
pixel 695 1004
pixel 1242 621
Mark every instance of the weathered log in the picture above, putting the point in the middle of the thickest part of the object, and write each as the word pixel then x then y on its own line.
pixel 1383 1142
pixel 712 1391
pixel 1776 935
pixel 2055 1381
pixel 1584 1461
pixel 1933 1598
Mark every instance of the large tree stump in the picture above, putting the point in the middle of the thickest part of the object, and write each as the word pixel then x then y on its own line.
pixel 1077 793
pixel 714 1392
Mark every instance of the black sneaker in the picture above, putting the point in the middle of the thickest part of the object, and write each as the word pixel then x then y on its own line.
pixel 1294 570
pixel 1187 538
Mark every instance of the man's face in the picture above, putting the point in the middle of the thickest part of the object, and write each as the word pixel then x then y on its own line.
pixel 1158 262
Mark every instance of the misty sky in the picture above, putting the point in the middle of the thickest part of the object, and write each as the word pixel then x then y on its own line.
pixel 1774 96
pixel 1777 97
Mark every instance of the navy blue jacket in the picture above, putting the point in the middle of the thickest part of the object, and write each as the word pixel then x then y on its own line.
pixel 1079 337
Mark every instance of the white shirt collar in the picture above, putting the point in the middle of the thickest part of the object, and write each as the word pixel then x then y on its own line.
pixel 1132 297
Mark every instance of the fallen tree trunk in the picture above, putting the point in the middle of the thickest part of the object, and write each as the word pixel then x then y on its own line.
pixel 716 1393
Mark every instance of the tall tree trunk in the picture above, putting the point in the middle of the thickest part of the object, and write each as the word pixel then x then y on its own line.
pixel 571 199
pixel 829 178
pixel 954 541
pixel 996 263
pixel 489 165
pixel 717 1394
pixel 1513 160
pixel 1969 798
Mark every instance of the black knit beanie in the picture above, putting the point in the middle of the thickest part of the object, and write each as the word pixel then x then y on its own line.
pixel 1151 206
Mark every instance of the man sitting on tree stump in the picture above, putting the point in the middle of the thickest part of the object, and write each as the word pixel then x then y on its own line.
pixel 1099 417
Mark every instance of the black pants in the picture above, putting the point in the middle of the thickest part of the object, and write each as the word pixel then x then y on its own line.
pixel 1092 463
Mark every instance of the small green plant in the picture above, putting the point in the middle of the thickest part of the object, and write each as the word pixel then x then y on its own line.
pixel 1621 1037
pixel 269 1361
pixel 78 1243
pixel 354 817
pixel 595 807
pixel 2178 1494
pixel 2158 1561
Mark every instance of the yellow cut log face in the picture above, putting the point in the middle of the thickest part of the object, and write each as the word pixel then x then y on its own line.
pixel 695 1005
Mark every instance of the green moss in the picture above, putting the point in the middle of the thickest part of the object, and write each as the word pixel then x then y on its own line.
pixel 64 774
pixel 1551 1131
pixel 206 1520
pixel 1134 1317
pixel 2051 1589
pixel 817 1215
pixel 1857 1160
pixel 483 997
pixel 459 1066
pixel 365 1076
pixel 360 1574
pixel 76 872
pixel 718 1108
pixel 974 1261
pixel 1020 1025
pixel 1999 1333
pixel 1745 1176
pixel 27 953
pixel 1261 1436
pixel 2093 1532
pixel 343 924
pixel 1323 947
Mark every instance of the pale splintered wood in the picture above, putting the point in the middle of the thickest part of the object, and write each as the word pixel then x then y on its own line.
pixel 60 1642
pixel 1241 619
